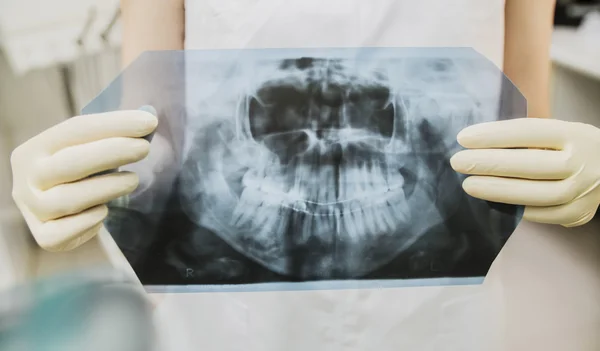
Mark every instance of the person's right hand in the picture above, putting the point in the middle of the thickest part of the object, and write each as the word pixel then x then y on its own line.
pixel 56 184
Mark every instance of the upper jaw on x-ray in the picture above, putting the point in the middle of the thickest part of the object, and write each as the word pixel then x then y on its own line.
pixel 327 163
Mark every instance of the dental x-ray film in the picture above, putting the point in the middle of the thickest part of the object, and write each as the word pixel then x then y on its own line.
pixel 309 168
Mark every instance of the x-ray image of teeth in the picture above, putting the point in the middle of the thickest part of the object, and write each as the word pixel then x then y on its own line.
pixel 290 166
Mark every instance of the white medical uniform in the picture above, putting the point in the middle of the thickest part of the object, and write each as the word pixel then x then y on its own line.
pixel 432 318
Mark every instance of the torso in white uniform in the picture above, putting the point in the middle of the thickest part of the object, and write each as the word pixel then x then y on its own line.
pixel 433 318
pixel 214 24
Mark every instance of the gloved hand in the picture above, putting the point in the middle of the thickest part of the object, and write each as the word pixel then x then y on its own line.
pixel 550 166
pixel 63 206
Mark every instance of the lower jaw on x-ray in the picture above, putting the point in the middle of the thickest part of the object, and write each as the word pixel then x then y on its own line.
pixel 311 166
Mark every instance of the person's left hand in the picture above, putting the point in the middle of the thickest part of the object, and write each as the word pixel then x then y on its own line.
pixel 551 167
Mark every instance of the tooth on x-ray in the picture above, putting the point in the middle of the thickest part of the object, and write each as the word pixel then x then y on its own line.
pixel 298 165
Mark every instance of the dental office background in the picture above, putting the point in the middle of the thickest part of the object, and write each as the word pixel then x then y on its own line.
pixel 55 56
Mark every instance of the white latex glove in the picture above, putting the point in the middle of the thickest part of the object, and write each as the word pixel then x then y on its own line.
pixel 550 166
pixel 62 205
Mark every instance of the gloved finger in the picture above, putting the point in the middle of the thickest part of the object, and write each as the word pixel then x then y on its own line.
pixel 515 133
pixel 521 191
pixel 524 163
pixel 71 198
pixel 69 232
pixel 573 214
pixel 79 239
pixel 87 128
pixel 91 158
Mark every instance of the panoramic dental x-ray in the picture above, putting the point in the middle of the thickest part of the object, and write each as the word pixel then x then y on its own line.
pixel 309 168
